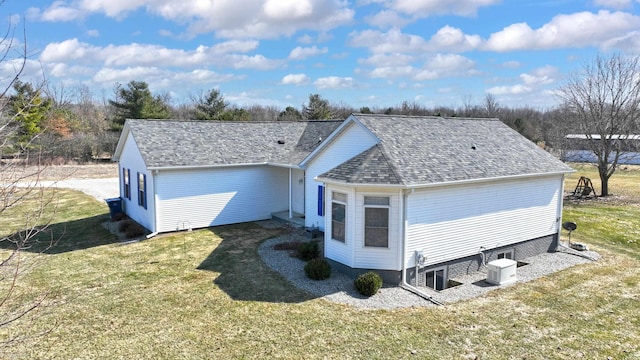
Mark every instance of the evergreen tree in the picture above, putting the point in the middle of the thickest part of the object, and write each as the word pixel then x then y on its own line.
pixel 318 108
pixel 29 108
pixel 290 114
pixel 209 107
pixel 136 102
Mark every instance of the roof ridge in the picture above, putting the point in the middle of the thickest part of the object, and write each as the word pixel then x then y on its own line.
pixel 393 168
pixel 428 117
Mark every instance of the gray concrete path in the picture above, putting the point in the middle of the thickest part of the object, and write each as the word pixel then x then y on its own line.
pixel 100 189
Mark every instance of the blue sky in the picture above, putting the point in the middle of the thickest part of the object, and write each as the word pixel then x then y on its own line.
pixel 374 53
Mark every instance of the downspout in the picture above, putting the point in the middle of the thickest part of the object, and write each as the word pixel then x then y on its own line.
pixel 403 283
pixel 290 195
pixel 559 213
pixel 155 205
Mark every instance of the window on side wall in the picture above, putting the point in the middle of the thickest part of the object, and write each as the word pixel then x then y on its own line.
pixel 435 279
pixel 376 221
pixel 506 254
pixel 126 176
pixel 338 216
pixel 142 190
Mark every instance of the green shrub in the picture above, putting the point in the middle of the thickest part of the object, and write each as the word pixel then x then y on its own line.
pixel 317 269
pixel 368 283
pixel 308 250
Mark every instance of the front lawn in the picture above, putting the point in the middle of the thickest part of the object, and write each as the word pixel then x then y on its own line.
pixel 206 294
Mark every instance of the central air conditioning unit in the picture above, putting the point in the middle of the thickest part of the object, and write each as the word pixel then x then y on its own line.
pixel 502 271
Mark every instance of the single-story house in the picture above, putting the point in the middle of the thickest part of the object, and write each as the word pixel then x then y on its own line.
pixel 429 197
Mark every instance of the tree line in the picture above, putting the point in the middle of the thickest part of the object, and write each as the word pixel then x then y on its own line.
pixel 64 124
pixel 69 125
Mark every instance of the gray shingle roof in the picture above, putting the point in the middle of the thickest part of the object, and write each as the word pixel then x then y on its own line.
pixel 170 143
pixel 429 150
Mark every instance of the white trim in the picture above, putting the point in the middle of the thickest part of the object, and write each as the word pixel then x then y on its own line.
pixel 334 135
pixel 364 223
pixel 506 251
pixel 200 167
pixel 434 270
pixel 445 183
pixel 345 204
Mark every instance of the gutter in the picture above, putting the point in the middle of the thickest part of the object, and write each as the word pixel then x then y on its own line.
pixel 445 183
pixel 403 282
pixel 200 167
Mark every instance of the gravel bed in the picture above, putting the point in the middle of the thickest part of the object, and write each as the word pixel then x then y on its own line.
pixel 339 287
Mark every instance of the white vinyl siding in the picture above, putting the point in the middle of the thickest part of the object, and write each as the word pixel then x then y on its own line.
pixel 447 223
pixel 131 160
pixel 203 198
pixel 297 191
pixel 352 141
pixel 339 251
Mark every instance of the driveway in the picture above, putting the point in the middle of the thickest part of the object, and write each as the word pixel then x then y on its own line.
pixel 100 189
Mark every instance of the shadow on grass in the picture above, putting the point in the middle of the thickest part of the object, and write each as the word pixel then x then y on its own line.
pixel 67 236
pixel 242 274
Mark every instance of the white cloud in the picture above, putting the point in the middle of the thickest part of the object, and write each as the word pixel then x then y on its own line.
pixel 93 33
pixel 425 8
pixel 453 39
pixel 160 78
pixel 393 41
pixel 388 19
pixel 305 39
pixel 228 19
pixel 301 53
pixel 235 46
pixel 288 9
pixel 388 60
pixel 626 41
pixel 541 76
pixel 574 30
pixel 334 82
pixel 614 4
pixel 143 55
pixel 511 64
pixel 295 79
pixel 509 90
pixel 435 67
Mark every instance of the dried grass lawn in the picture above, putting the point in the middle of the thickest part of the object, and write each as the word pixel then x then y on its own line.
pixel 206 294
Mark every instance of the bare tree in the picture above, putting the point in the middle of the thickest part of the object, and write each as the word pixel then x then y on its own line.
pixel 491 106
pixel 19 186
pixel 603 100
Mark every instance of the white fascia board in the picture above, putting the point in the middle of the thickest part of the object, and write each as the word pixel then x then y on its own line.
pixel 446 183
pixel 123 139
pixel 336 133
pixel 201 167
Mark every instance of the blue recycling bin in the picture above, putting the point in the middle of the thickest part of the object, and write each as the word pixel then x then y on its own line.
pixel 115 206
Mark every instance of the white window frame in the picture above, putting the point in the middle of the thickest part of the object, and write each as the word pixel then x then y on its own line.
pixel 506 254
pixel 364 225
pixel 343 203
pixel 435 283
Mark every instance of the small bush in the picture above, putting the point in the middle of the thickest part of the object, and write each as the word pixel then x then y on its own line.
pixel 317 269
pixel 308 250
pixel 368 283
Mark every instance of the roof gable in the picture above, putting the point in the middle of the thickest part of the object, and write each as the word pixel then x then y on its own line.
pixel 430 150
pixel 170 143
